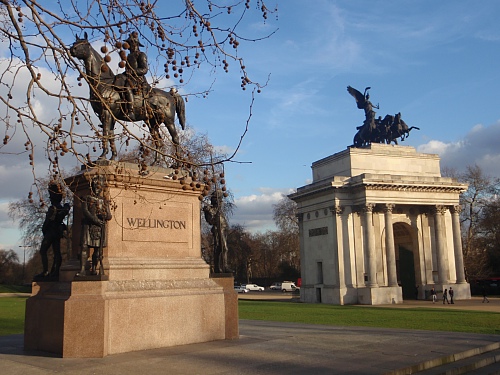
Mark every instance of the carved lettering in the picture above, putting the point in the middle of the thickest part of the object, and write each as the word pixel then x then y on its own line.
pixel 138 222
pixel 318 231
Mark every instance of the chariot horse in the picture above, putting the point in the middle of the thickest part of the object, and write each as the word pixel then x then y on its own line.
pixel 155 107
pixel 398 129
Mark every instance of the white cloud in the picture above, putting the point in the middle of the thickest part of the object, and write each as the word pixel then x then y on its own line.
pixel 437 147
pixel 9 233
pixel 255 212
pixel 479 146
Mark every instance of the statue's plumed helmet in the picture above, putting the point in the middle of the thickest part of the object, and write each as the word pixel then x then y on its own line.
pixel 133 38
pixel 55 191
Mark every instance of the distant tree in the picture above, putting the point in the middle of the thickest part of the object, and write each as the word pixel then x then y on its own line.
pixel 489 234
pixel 285 215
pixel 240 257
pixel 478 204
pixel 9 267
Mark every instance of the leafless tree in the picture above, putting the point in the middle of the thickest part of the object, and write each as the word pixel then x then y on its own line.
pixel 285 215
pixel 478 209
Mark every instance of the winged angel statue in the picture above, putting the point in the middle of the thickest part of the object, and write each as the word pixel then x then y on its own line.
pixel 377 130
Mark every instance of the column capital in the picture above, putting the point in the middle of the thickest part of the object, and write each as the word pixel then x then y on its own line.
pixel 388 207
pixel 367 208
pixel 337 209
pixel 456 209
pixel 439 209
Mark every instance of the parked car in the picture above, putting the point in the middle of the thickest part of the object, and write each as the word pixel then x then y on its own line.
pixel 288 286
pixel 240 289
pixel 275 286
pixel 253 287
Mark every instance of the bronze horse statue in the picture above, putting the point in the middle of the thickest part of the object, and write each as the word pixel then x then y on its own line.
pixel 398 129
pixel 153 106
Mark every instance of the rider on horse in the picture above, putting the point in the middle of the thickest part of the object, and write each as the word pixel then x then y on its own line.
pixel 133 79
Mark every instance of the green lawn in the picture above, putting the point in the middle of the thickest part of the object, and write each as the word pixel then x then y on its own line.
pixel 15 288
pixel 417 318
pixel 12 316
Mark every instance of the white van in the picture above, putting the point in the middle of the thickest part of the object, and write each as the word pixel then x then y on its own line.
pixel 288 286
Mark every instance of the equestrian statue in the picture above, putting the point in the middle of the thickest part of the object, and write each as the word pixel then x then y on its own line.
pixel 377 130
pixel 128 96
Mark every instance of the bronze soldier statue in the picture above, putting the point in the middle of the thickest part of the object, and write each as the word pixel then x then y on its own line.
pixel 53 230
pixel 215 217
pixel 96 212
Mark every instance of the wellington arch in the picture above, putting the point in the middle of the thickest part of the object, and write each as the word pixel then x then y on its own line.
pixel 379 224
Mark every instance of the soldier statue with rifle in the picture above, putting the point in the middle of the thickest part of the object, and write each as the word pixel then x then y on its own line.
pixel 96 213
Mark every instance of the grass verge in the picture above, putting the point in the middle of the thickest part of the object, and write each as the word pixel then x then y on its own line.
pixel 418 318
pixel 12 315
pixel 12 311
pixel 15 288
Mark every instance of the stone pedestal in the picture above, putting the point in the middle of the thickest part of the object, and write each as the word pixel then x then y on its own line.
pixel 226 281
pixel 380 296
pixel 156 291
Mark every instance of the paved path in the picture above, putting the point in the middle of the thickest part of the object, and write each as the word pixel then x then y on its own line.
pixel 263 348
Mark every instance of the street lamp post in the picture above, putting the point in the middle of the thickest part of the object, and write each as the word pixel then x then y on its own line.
pixel 24 260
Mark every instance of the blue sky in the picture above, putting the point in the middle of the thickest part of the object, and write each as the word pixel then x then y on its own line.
pixel 438 63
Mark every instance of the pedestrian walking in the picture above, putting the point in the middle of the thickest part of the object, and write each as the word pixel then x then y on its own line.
pixel 445 296
pixel 433 295
pixel 451 293
pixel 485 298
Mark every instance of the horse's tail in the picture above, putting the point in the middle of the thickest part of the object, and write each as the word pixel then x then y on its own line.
pixel 180 109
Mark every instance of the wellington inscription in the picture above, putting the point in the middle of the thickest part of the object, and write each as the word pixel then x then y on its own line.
pixel 136 222
pixel 170 222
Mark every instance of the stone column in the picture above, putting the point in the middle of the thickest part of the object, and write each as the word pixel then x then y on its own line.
pixel 457 244
pixel 369 241
pixel 300 219
pixel 339 248
pixel 439 212
pixel 389 246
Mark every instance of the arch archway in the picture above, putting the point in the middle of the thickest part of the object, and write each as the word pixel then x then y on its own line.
pixel 406 259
